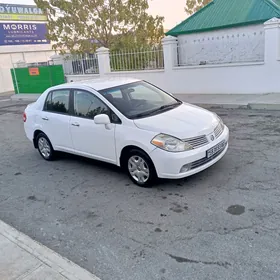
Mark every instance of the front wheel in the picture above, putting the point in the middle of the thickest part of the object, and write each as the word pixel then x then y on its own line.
pixel 141 169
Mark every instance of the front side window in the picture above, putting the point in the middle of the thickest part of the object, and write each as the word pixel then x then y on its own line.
pixel 140 99
pixel 58 101
pixel 86 105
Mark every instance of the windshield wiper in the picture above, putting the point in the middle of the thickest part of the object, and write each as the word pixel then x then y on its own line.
pixel 144 114
pixel 167 106
pixel 151 112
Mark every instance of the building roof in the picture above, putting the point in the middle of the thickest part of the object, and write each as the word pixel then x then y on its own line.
pixel 220 14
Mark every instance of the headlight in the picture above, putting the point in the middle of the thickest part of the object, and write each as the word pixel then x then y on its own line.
pixel 170 143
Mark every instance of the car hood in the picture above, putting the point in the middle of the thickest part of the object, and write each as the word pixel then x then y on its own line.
pixel 185 121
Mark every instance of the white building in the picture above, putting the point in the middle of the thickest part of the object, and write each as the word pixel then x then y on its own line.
pixel 22 39
pixel 225 31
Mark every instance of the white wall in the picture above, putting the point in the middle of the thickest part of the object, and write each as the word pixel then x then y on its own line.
pixel 242 44
pixel 155 76
pixel 249 78
pixel 77 78
pixel 25 48
pixel 13 54
pixel 226 79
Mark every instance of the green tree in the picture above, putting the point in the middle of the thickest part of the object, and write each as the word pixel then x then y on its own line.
pixel 194 5
pixel 83 25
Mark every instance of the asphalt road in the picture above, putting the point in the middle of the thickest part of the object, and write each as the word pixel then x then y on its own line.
pixel 223 223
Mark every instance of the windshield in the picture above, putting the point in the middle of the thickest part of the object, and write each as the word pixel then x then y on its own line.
pixel 139 99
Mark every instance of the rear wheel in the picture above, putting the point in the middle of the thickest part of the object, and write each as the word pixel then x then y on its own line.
pixel 45 147
pixel 140 169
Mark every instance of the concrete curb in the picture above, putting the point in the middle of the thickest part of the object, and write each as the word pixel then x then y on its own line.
pixel 5 100
pixel 263 106
pixel 56 262
pixel 222 106
pixel 25 97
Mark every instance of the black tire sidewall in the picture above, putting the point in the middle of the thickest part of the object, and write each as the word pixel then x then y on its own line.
pixel 153 175
pixel 43 135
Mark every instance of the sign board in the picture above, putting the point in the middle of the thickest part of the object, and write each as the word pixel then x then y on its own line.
pixel 23 33
pixel 34 71
pixel 13 12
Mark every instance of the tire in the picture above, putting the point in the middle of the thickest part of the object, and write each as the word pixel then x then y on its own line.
pixel 45 147
pixel 140 169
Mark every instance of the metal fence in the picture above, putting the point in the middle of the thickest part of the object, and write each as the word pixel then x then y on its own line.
pixel 232 48
pixel 134 60
pixel 80 64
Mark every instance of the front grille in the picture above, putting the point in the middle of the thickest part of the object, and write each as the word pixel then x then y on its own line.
pixel 197 142
pixel 205 160
pixel 219 129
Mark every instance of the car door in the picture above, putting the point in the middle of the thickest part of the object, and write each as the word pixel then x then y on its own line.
pixel 55 118
pixel 90 139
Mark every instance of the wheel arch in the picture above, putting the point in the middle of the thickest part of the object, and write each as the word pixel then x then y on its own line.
pixel 127 149
pixel 35 134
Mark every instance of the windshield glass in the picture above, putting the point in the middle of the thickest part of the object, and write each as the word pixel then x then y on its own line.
pixel 139 99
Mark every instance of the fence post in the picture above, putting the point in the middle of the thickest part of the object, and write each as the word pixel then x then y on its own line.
pixel 272 40
pixel 169 44
pixel 103 61
pixel 57 59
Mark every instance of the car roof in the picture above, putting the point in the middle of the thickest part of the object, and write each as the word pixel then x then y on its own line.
pixel 100 83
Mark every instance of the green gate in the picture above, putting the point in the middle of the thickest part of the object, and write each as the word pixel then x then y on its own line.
pixel 37 79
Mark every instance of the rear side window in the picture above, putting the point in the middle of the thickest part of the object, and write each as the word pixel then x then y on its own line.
pixel 58 101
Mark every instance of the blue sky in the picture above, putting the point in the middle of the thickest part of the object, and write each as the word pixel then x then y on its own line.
pixel 173 11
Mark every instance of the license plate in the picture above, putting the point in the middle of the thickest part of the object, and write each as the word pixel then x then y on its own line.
pixel 215 149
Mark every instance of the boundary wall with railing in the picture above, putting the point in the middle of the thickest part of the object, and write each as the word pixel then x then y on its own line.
pixel 179 69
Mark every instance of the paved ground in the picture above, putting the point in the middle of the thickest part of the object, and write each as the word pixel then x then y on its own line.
pixel 221 224
pixel 23 258
pixel 4 97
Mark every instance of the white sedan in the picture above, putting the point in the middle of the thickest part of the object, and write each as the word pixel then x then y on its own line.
pixel 129 123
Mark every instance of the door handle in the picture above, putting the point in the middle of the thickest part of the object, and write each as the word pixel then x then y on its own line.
pixel 75 124
pixel 45 118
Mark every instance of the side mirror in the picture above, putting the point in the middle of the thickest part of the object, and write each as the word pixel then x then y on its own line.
pixel 102 119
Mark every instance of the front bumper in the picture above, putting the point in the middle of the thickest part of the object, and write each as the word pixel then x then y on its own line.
pixel 169 165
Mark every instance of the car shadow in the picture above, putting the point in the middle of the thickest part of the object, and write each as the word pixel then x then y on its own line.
pixel 160 184
pixel 88 161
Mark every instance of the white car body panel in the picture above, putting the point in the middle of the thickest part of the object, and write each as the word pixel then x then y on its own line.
pixel 183 122
pixel 96 139
pixel 106 143
pixel 56 127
